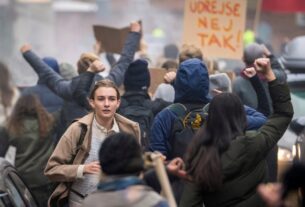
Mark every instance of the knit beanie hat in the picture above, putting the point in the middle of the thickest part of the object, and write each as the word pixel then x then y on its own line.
pixel 52 62
pixel 220 81
pixel 115 161
pixel 171 51
pixel 252 52
pixel 67 71
pixel 137 76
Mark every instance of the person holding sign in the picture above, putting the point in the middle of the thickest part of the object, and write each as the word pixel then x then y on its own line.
pixel 66 88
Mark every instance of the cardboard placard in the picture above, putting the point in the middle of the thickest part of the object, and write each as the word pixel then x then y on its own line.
pixel 112 39
pixel 215 26
pixel 156 78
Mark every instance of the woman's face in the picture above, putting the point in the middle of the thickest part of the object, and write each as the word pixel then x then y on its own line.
pixel 105 103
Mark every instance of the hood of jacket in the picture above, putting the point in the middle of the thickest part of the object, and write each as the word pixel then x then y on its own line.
pixel 192 82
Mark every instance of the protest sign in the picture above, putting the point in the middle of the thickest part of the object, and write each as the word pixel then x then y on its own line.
pixel 156 77
pixel 215 26
pixel 112 39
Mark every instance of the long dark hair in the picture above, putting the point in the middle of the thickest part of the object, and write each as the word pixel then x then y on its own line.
pixel 26 107
pixel 226 120
pixel 6 89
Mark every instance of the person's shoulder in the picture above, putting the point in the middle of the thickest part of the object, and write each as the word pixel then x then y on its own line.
pixel 123 120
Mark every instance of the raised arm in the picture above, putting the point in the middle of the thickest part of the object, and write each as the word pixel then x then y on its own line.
pixel 85 81
pixel 53 80
pixel 277 68
pixel 131 44
pixel 278 122
pixel 262 99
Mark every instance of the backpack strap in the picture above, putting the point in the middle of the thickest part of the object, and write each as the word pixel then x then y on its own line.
pixel 83 128
pixel 205 109
pixel 179 109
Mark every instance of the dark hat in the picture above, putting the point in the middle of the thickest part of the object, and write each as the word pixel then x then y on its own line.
pixel 67 71
pixel 171 51
pixel 252 52
pixel 137 76
pixel 115 161
pixel 52 62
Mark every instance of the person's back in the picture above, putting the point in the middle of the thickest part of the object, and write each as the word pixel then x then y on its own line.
pixel 30 131
pixel 191 90
pixel 225 163
pixel 8 93
pixel 120 186
pixel 136 103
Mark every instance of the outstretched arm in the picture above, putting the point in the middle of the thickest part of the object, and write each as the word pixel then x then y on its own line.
pixel 53 80
pixel 131 44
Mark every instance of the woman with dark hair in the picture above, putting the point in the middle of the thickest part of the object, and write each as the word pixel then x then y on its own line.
pixel 8 93
pixel 30 129
pixel 225 163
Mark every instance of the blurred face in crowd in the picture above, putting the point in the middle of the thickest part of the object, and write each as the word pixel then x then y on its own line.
pixel 105 103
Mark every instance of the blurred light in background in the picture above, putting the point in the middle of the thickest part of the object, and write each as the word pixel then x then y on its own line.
pixel 74 6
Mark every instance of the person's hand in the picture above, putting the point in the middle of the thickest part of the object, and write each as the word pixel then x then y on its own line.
pixel 97 48
pixel 92 168
pixel 263 66
pixel 249 72
pixel 96 67
pixel 135 27
pixel 25 47
pixel 271 194
pixel 176 167
pixel 170 77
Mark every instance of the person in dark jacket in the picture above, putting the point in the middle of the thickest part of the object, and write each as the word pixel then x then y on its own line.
pixel 243 88
pixel 225 163
pixel 136 85
pixel 30 129
pixel 192 90
pixel 48 98
pixel 120 184
pixel 66 88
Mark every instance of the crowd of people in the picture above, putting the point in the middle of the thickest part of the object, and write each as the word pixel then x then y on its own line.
pixel 80 142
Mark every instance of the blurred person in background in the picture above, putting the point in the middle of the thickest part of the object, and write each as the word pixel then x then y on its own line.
pixel 47 97
pixel 30 128
pixel 9 93
pixel 166 91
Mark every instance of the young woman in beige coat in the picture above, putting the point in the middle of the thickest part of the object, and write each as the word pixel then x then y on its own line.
pixel 74 163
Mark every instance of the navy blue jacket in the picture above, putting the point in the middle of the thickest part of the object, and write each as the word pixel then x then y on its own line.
pixel 191 87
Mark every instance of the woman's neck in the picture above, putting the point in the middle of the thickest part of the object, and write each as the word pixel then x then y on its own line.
pixel 105 123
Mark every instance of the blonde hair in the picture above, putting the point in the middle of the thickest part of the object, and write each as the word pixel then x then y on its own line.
pixel 85 61
pixel 104 83
pixel 188 52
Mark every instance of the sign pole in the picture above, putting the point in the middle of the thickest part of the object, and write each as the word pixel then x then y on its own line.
pixel 257 16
